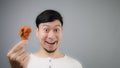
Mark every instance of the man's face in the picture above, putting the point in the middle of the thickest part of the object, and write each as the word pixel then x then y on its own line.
pixel 50 35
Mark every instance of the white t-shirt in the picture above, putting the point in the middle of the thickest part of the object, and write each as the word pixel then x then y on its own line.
pixel 65 62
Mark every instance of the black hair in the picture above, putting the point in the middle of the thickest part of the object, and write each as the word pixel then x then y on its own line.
pixel 48 16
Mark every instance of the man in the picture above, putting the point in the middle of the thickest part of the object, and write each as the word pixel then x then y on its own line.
pixel 49 32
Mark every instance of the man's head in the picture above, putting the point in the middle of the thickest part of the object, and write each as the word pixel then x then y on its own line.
pixel 49 30
pixel 48 16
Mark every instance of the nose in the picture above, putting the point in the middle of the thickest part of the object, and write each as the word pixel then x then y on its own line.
pixel 51 35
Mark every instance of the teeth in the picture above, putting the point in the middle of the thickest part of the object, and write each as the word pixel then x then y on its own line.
pixel 50 42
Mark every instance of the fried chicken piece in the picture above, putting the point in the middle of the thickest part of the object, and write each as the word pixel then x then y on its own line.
pixel 25 32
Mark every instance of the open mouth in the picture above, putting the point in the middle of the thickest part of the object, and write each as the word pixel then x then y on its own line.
pixel 50 43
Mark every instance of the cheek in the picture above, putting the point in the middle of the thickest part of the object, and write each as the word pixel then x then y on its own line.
pixel 59 36
pixel 42 36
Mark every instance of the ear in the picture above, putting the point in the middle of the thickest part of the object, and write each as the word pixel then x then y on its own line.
pixel 62 29
pixel 37 29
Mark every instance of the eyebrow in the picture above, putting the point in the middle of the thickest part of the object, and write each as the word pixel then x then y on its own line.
pixel 48 25
pixel 57 26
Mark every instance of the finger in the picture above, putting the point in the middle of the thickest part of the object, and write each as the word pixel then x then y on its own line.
pixel 25 61
pixel 18 59
pixel 19 53
pixel 16 54
pixel 22 57
pixel 18 46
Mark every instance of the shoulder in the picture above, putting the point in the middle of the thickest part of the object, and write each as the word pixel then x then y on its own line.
pixel 73 61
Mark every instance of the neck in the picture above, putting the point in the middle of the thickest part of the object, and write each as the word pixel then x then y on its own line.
pixel 44 54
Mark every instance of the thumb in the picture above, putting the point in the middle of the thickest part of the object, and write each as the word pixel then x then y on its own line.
pixel 19 46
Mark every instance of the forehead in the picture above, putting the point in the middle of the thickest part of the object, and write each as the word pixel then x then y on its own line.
pixel 55 23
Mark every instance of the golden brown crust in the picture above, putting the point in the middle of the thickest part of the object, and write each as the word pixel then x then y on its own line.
pixel 25 32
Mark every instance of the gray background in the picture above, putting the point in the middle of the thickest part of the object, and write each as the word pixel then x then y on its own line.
pixel 91 29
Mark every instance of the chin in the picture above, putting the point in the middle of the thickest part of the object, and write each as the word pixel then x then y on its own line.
pixel 50 51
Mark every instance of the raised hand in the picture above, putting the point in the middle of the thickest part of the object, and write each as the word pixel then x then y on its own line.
pixel 17 56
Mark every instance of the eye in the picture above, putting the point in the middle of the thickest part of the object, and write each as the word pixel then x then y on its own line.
pixel 46 30
pixel 56 30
